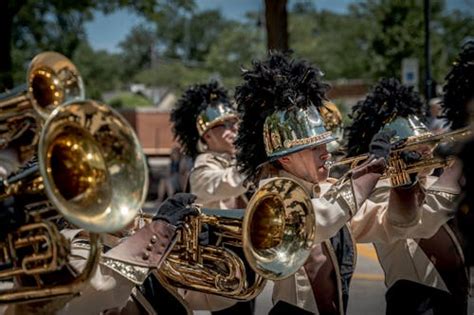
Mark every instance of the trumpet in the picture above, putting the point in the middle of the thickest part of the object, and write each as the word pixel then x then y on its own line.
pixel 92 172
pixel 398 171
pixel 276 232
pixel 52 80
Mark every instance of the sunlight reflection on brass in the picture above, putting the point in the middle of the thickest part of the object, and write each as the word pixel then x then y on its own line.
pixel 276 232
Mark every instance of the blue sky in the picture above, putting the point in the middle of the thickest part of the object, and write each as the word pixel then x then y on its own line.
pixel 106 31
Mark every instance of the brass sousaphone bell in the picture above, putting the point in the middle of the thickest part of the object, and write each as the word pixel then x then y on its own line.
pixel 93 172
pixel 51 80
pixel 92 165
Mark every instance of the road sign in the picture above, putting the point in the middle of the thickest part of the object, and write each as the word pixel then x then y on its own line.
pixel 410 72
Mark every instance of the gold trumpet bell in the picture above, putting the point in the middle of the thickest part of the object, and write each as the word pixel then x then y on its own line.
pixel 92 166
pixel 278 229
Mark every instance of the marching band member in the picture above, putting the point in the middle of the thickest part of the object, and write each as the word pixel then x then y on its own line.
pixel 458 109
pixel 127 261
pixel 282 135
pixel 205 124
pixel 422 275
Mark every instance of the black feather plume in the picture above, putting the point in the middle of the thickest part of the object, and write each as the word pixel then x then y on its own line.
pixel 459 88
pixel 277 83
pixel 387 99
pixel 194 100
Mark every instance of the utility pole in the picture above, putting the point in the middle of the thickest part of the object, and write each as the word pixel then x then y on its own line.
pixel 428 81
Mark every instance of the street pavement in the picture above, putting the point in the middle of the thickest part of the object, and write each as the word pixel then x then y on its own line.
pixel 366 296
pixel 366 293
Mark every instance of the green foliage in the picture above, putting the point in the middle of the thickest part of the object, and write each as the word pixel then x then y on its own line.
pixel 453 29
pixel 373 38
pixel 137 49
pixel 129 100
pixel 174 34
pixel 51 24
pixel 395 30
pixel 101 71
pixel 188 36
pixel 332 41
pixel 236 46
pixel 172 74
pixel 233 46
pixel 178 45
pixel 38 25
pixel 21 59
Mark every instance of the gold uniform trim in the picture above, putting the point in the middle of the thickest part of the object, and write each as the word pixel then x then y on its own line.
pixel 291 143
pixel 342 193
pixel 135 274
pixel 203 126
pixel 443 194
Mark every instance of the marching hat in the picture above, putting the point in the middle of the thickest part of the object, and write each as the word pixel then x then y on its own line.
pixel 200 108
pixel 389 106
pixel 278 104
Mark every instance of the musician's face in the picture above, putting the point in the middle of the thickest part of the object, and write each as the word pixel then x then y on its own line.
pixel 221 138
pixel 308 164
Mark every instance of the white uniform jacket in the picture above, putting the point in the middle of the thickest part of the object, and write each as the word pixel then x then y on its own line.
pixel 376 220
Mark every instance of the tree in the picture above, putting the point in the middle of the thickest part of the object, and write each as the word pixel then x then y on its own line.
pixel 395 32
pixel 175 34
pixel 173 74
pixel 56 24
pixel 39 25
pixel 186 35
pixel 8 9
pixel 334 42
pixel 137 49
pixel 276 20
pixel 129 100
pixel 188 47
pixel 236 46
pixel 101 70
pixel 454 28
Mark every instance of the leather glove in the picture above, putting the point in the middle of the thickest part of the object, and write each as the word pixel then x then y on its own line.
pixel 410 157
pixel 175 209
pixel 380 144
